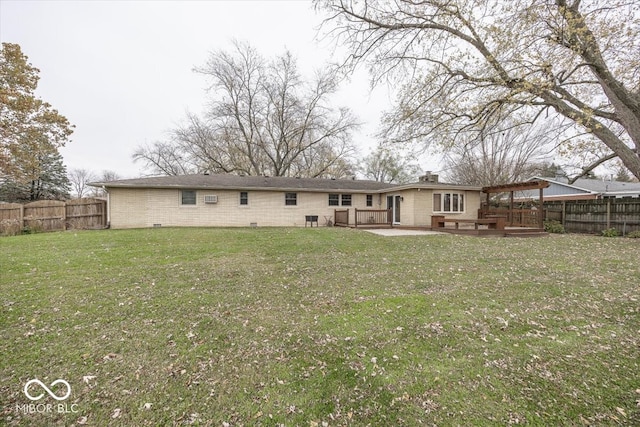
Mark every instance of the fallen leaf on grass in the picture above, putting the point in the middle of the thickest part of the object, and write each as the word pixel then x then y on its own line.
pixel 109 356
pixel 116 413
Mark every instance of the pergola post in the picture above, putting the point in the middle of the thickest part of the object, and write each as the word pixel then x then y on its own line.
pixel 541 207
pixel 511 219
pixel 520 186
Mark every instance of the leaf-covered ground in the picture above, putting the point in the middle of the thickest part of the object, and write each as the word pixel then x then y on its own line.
pixel 319 327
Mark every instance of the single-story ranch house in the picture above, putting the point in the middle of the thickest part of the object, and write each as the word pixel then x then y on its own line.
pixel 241 201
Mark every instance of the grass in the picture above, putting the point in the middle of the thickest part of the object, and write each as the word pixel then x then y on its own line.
pixel 320 327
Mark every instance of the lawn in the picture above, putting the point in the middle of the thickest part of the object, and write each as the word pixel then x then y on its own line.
pixel 318 327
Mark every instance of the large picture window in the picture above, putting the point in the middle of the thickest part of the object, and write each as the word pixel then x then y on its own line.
pixel 188 197
pixel 448 202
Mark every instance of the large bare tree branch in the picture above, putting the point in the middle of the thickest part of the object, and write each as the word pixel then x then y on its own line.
pixel 465 65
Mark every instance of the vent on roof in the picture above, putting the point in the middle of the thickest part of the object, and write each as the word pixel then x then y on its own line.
pixel 210 198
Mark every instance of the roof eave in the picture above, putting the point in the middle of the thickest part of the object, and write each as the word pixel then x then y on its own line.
pixel 238 188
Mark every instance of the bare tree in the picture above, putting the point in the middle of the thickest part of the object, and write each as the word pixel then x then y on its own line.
pixel 500 155
pixel 385 165
pixel 164 158
pixel 262 119
pixel 79 179
pixel 468 64
pixel 105 176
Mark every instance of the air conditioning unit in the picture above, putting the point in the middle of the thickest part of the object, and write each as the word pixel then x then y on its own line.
pixel 211 199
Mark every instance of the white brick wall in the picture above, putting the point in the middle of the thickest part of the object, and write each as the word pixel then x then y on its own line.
pixel 145 207
pixel 131 208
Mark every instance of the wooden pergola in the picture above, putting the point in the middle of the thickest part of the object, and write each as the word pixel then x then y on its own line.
pixel 519 186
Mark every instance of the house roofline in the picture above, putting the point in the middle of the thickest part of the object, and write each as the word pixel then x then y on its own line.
pixel 384 187
pixel 237 188
pixel 429 186
pixel 564 184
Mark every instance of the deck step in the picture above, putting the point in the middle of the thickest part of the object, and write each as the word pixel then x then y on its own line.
pixel 526 233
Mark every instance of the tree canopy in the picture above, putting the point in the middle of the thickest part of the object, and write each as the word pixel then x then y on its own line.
pixel 262 118
pixel 466 65
pixel 48 181
pixel 31 130
pixel 384 165
pixel 495 158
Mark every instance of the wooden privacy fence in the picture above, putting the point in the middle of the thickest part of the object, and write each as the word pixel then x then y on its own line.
pixel 49 215
pixel 594 216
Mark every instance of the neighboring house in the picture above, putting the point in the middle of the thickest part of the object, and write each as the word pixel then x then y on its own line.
pixel 243 201
pixel 582 189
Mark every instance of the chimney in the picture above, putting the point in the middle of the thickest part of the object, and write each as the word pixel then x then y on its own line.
pixel 429 177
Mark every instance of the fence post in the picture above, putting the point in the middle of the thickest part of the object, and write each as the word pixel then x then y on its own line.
pixel 64 216
pixel 356 217
pixel 21 217
pixel 608 212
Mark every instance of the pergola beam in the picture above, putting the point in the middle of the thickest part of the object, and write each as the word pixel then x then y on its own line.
pixel 516 186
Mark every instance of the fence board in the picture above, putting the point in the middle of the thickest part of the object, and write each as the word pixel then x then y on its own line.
pixel 86 213
pixel 9 211
pixel 49 215
pixel 44 215
pixel 594 216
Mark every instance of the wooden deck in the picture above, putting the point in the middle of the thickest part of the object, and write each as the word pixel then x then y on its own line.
pixel 494 226
pixel 507 232
pixel 490 226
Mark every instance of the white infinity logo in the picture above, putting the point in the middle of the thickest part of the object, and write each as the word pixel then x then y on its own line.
pixel 52 394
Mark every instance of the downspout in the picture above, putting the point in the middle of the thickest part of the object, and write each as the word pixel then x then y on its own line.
pixel 108 225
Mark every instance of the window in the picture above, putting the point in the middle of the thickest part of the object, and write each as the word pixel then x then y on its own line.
pixel 188 197
pixel 346 200
pixel 290 199
pixel 244 198
pixel 334 199
pixel 369 200
pixel 448 202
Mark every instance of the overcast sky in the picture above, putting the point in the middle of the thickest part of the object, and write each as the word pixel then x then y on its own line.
pixel 122 71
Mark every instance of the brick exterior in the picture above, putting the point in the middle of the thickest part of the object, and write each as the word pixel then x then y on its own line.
pixel 148 207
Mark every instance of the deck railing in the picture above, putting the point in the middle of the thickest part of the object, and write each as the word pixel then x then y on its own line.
pixel 373 217
pixel 364 218
pixel 515 217
pixel 342 218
